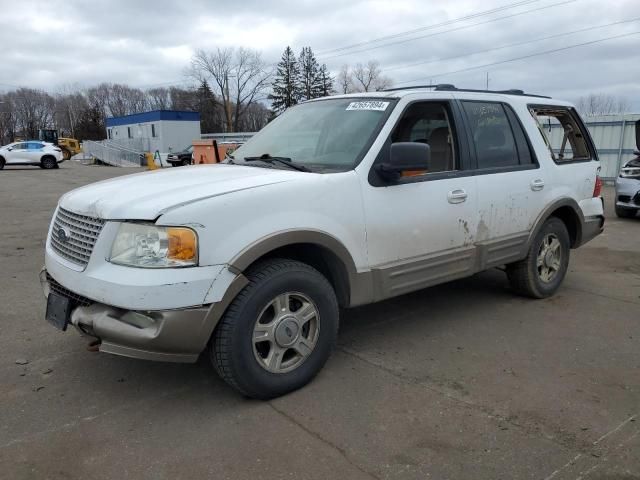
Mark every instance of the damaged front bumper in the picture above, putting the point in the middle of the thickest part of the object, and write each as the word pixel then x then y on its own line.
pixel 178 335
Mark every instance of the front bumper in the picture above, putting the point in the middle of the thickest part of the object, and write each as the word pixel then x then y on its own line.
pixel 176 335
pixel 167 335
pixel 628 193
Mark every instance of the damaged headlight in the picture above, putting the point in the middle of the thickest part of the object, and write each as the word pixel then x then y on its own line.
pixel 149 246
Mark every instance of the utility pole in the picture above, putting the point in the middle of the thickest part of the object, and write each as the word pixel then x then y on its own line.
pixel 487 84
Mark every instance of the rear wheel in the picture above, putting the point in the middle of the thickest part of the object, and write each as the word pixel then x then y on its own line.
pixel 2 162
pixel 540 274
pixel 278 332
pixel 622 212
pixel 47 162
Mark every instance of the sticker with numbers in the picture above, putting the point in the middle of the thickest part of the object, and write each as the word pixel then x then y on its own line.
pixel 369 105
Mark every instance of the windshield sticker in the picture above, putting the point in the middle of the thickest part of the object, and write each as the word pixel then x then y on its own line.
pixel 379 106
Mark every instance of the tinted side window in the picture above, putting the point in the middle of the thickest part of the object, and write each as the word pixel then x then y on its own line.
pixel 492 135
pixel 526 153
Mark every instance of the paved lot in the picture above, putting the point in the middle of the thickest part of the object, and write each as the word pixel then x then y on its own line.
pixel 461 381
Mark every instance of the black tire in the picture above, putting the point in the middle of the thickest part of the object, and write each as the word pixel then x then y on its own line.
pixel 527 277
pixel 48 162
pixel 184 163
pixel 1 163
pixel 232 350
pixel 622 212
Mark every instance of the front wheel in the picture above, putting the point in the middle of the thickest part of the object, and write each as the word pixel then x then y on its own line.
pixel 540 274
pixel 278 332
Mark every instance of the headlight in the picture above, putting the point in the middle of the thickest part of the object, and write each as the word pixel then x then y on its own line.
pixel 630 172
pixel 148 246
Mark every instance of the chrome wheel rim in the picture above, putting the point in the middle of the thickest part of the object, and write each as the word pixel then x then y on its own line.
pixel 549 259
pixel 286 332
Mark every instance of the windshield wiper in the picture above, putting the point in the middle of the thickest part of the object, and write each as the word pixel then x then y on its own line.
pixel 267 158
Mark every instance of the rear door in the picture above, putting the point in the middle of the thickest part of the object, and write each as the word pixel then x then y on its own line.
pixel 510 181
pixel 34 152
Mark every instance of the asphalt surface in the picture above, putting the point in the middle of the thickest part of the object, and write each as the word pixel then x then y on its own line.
pixel 460 381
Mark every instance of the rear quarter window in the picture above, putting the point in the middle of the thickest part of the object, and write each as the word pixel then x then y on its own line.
pixel 564 133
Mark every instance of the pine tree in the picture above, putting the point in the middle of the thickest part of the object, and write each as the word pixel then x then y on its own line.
pixel 207 106
pixel 310 81
pixel 326 81
pixel 286 86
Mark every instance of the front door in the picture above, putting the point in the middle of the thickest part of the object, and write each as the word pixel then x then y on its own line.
pixel 17 154
pixel 421 229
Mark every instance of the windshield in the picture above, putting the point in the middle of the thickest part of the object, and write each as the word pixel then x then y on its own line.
pixel 330 135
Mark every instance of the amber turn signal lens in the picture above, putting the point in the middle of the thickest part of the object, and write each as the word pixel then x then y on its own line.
pixel 183 244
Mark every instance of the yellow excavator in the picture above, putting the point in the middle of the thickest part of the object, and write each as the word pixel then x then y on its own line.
pixel 69 146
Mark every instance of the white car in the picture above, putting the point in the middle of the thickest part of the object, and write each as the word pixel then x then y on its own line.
pixel 627 203
pixel 33 152
pixel 338 202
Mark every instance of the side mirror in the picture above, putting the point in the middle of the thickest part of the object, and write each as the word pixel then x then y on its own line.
pixel 9 149
pixel 405 157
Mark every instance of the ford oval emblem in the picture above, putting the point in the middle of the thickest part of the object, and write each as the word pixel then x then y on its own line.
pixel 63 235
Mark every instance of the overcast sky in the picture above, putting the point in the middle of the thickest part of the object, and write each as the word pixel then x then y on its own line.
pixel 49 44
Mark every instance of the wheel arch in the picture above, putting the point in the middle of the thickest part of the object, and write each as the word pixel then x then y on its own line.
pixel 320 250
pixel 567 210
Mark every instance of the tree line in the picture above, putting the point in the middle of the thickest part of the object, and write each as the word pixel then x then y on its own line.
pixel 232 89
pixel 82 113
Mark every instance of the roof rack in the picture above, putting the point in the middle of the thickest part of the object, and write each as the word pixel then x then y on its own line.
pixel 447 87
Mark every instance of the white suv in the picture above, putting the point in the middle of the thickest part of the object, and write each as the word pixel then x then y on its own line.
pixel 33 152
pixel 339 202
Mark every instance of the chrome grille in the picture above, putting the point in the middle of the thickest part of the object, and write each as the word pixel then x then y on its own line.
pixel 82 233
pixel 65 292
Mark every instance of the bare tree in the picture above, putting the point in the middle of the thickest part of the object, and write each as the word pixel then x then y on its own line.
pixel 369 78
pixel 8 120
pixel 34 109
pixel 98 97
pixel 158 98
pixel 124 100
pixel 602 104
pixel 69 107
pixel 238 77
pixel 345 80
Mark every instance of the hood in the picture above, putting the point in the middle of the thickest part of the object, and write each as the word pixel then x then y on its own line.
pixel 147 195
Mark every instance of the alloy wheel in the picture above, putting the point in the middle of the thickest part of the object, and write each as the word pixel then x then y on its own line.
pixel 286 332
pixel 549 259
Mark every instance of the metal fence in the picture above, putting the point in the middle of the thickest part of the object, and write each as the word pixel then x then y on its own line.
pixel 133 144
pixel 238 137
pixel 111 154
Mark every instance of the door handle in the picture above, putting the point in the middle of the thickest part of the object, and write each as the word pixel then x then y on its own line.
pixel 537 184
pixel 456 196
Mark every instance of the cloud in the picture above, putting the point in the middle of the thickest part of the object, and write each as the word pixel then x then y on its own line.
pixel 48 44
